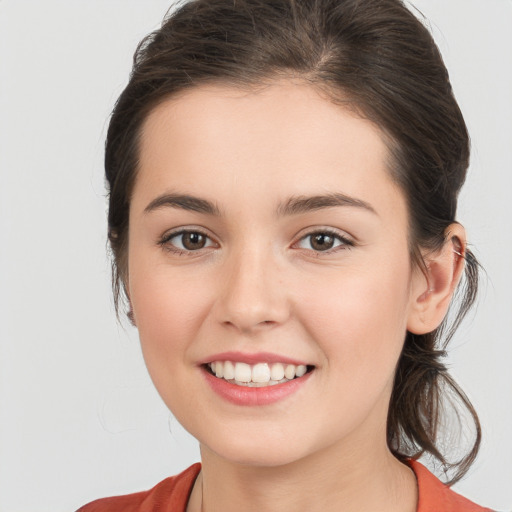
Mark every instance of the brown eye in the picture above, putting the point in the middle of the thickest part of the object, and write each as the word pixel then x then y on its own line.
pixel 322 242
pixel 187 241
pixel 193 241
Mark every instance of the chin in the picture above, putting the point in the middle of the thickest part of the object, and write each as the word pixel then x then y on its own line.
pixel 262 457
pixel 254 449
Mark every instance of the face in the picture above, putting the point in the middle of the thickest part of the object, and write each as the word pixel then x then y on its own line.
pixel 266 236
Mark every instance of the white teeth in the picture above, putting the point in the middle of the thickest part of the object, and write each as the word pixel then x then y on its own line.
pixel 260 372
pixel 301 370
pixel 277 371
pixel 289 371
pixel 242 372
pixel 258 375
pixel 229 370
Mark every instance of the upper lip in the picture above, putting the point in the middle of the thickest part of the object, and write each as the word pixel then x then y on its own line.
pixel 248 358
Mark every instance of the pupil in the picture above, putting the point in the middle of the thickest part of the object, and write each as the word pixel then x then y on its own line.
pixel 322 242
pixel 193 241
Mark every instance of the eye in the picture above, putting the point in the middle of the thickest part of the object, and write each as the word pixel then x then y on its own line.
pixel 187 241
pixel 322 241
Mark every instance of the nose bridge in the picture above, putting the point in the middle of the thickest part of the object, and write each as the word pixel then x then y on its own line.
pixel 252 293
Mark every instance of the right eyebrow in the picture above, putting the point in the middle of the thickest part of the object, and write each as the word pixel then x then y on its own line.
pixel 183 201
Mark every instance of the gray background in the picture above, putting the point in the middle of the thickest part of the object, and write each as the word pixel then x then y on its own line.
pixel 79 418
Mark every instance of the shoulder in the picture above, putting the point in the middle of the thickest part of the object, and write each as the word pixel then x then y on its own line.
pixel 434 496
pixel 170 494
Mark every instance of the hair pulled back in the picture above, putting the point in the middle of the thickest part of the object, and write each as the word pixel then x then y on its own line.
pixel 373 56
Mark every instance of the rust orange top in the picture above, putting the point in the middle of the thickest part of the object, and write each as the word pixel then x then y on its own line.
pixel 434 496
pixel 172 494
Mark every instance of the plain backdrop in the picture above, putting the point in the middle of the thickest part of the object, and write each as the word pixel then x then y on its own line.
pixel 79 418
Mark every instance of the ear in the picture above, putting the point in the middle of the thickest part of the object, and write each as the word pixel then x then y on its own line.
pixel 129 314
pixel 432 287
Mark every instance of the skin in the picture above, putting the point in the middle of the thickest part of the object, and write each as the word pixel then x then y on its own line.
pixel 258 285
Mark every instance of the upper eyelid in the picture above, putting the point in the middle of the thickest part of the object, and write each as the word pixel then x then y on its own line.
pixel 181 230
pixel 324 229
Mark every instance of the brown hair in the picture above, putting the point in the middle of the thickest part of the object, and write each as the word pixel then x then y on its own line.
pixel 373 56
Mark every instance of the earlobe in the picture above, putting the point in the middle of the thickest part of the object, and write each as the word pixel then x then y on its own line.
pixel 129 314
pixel 433 287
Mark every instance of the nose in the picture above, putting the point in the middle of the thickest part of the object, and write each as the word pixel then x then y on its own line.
pixel 252 295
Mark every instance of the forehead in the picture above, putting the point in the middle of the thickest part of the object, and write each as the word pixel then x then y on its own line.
pixel 285 138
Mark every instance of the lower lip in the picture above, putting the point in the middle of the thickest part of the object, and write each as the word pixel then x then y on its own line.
pixel 244 395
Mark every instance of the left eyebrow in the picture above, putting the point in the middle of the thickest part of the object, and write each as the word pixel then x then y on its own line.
pixel 303 204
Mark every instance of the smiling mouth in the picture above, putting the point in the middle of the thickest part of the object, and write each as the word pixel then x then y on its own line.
pixel 257 375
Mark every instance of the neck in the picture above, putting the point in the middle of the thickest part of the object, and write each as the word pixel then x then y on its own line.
pixel 330 480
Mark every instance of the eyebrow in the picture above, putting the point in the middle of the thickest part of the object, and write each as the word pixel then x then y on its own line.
pixel 303 204
pixel 184 202
pixel 293 206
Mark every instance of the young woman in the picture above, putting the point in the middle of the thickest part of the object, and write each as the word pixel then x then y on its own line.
pixel 283 188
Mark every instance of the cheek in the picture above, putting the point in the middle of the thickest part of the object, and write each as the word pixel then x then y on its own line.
pixel 169 307
pixel 360 319
pixel 169 311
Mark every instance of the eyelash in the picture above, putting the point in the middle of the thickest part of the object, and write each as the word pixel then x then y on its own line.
pixel 166 239
pixel 345 242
